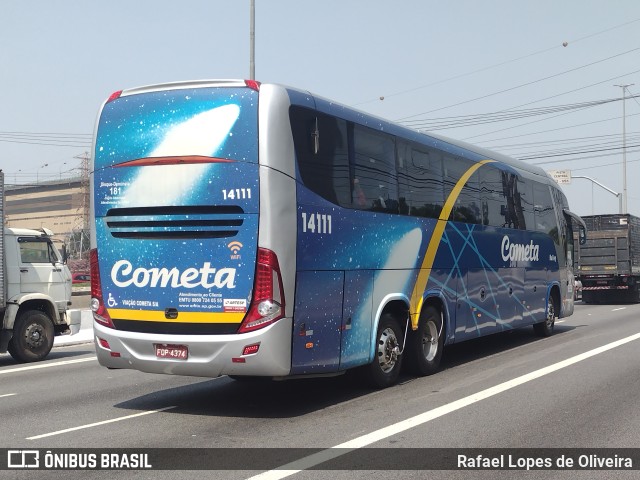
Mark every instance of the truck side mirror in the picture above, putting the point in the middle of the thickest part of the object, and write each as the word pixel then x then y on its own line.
pixel 582 235
pixel 65 254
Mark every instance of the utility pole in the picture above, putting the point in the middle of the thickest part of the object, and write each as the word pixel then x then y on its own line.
pixel 624 145
pixel 252 42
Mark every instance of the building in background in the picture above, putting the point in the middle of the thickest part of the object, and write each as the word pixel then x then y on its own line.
pixel 62 206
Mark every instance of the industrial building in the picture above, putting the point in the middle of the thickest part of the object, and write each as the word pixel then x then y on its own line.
pixel 62 206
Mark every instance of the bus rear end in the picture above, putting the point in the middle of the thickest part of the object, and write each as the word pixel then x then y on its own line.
pixel 180 284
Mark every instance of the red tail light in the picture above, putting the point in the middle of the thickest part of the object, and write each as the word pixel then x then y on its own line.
pixel 253 85
pixel 267 304
pixel 100 313
pixel 114 96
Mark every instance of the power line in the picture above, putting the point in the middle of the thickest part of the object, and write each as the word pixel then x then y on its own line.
pixel 59 144
pixel 47 138
pixel 523 84
pixel 553 96
pixel 455 77
pixel 554 129
pixel 565 140
pixel 577 152
pixel 444 123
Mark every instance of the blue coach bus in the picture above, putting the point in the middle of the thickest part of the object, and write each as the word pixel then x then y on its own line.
pixel 253 229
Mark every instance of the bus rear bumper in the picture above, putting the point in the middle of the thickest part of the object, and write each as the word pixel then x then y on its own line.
pixel 207 355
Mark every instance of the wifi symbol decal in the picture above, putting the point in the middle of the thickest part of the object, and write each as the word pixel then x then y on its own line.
pixel 234 247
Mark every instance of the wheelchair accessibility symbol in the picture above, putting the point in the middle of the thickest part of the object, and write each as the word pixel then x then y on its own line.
pixel 111 302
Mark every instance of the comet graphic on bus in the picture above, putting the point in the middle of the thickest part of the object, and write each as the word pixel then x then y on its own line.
pixel 202 135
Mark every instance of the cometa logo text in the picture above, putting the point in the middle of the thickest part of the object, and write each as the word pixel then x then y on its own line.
pixel 124 275
pixel 518 252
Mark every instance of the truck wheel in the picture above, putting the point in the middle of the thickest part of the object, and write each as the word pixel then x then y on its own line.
pixel 385 368
pixel 32 337
pixel 425 345
pixel 545 329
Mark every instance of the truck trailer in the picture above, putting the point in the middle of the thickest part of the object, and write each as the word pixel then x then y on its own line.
pixel 609 261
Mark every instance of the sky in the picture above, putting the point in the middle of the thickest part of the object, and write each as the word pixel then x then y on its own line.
pixel 532 79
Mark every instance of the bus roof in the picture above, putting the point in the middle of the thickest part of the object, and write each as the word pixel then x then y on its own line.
pixel 306 98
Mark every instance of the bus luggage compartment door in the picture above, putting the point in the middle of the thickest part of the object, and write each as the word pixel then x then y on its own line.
pixel 317 319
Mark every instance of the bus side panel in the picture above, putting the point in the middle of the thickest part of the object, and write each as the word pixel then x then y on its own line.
pixel 535 294
pixel 510 287
pixel 317 322
pixel 357 318
pixel 477 306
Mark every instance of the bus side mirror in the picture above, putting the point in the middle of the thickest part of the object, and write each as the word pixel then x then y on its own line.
pixel 315 137
pixel 582 235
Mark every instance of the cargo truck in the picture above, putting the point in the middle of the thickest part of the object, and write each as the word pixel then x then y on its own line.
pixel 609 261
pixel 35 291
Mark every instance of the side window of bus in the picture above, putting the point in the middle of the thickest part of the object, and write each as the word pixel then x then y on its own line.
pixel 516 212
pixel 492 194
pixel 467 205
pixel 374 182
pixel 525 193
pixel 566 250
pixel 420 181
pixel 545 215
pixel 321 147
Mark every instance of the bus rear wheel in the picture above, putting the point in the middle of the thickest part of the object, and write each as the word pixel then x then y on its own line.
pixel 545 329
pixel 385 368
pixel 425 345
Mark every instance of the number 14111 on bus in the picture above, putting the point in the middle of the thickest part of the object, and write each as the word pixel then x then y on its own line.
pixel 316 223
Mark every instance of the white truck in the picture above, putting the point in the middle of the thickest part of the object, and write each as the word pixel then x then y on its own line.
pixel 35 292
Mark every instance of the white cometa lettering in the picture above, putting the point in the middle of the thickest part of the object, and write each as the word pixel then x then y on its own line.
pixel 124 275
pixel 517 252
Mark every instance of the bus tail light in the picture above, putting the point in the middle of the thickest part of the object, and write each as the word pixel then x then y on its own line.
pixel 100 313
pixel 268 303
pixel 253 85
pixel 114 96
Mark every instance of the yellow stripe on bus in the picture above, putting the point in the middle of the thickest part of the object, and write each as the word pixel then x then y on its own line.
pixel 434 243
pixel 183 317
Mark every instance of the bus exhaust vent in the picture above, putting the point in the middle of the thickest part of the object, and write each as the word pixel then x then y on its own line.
pixel 183 222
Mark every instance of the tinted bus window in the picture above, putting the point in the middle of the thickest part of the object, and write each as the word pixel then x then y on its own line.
pixel 467 205
pixel 545 215
pixel 494 200
pixel 322 150
pixel 374 181
pixel 515 191
pixel 525 194
pixel 420 181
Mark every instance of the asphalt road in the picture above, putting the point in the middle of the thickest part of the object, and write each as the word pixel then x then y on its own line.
pixel 577 389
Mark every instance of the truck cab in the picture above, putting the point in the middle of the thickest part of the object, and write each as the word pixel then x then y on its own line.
pixel 37 289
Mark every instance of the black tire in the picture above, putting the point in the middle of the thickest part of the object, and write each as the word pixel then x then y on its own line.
pixel 385 368
pixel 545 329
pixel 32 337
pixel 425 345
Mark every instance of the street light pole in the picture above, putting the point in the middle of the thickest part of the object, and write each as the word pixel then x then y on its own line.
pixel 619 195
pixel 624 145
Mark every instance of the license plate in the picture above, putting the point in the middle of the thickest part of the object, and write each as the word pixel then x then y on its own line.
pixel 178 352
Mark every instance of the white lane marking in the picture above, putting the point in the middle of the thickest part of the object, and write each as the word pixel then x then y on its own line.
pixel 365 440
pixel 97 424
pixel 618 309
pixel 7 395
pixel 46 365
